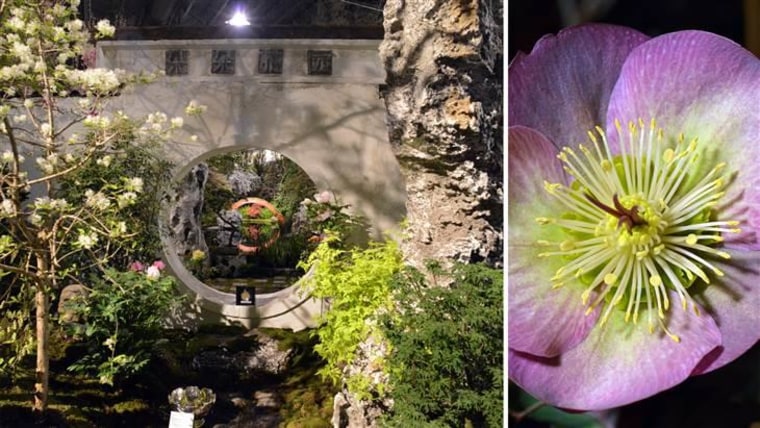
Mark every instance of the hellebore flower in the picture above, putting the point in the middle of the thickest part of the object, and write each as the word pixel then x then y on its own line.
pixel 634 199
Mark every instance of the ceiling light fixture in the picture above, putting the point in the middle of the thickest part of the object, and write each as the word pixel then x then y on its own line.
pixel 238 19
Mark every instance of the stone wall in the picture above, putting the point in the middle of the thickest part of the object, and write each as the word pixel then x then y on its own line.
pixel 331 124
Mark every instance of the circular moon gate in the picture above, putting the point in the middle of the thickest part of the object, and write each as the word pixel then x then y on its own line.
pixel 332 126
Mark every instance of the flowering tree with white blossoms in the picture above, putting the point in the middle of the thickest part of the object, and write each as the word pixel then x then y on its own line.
pixel 54 122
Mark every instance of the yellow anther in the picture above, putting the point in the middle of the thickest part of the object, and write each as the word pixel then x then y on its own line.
pixel 691 239
pixel 668 155
pixel 592 137
pixel 641 254
pixel 544 220
pixel 543 243
pixel 724 255
pixel 584 296
pixel 610 278
pixel 551 187
pixel 655 280
pixel 606 165
pixel 567 245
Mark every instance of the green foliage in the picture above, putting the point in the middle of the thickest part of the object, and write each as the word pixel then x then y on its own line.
pixel 447 349
pixel 326 215
pixel 295 186
pixel 123 314
pixel 16 336
pixel 125 157
pixel 357 284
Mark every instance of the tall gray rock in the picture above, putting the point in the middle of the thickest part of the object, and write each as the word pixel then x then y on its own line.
pixel 185 211
pixel 444 97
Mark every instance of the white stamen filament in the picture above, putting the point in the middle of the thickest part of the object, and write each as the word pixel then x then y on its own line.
pixel 639 223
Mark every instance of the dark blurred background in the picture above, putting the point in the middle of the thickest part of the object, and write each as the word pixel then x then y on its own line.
pixel 730 396
pixel 528 20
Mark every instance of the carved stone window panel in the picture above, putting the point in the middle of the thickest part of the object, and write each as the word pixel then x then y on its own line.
pixel 319 63
pixel 270 61
pixel 176 63
pixel 222 61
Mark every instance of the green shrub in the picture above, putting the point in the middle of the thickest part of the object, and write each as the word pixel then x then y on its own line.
pixel 357 284
pixel 124 158
pixel 122 316
pixel 447 349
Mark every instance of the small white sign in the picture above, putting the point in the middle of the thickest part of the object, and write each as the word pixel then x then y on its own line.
pixel 181 420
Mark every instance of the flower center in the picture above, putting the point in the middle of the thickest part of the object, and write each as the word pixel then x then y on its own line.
pixel 638 225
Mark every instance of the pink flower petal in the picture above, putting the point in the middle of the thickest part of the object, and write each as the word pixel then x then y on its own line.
pixel 734 302
pixel 542 320
pixel 707 87
pixel 619 363
pixel 562 87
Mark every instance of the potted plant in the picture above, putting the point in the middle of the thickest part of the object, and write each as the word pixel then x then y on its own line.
pixel 192 399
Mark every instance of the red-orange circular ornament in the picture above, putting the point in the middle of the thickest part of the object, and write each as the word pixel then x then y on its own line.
pixel 255 206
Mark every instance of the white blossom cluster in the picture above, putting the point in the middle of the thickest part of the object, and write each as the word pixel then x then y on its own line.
pixel 49 163
pixel 97 200
pixel 194 109
pixel 7 157
pixel 87 240
pixel 95 80
pixel 47 203
pixel 134 184
pixel 8 208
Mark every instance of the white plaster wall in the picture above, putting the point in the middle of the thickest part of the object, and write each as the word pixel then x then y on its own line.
pixel 332 126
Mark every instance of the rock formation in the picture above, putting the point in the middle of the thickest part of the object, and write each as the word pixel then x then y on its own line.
pixel 444 99
pixel 185 212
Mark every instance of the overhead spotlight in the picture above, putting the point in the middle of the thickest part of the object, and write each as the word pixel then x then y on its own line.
pixel 238 19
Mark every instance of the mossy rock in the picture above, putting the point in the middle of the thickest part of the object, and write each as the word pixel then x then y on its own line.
pixel 131 406
pixel 309 422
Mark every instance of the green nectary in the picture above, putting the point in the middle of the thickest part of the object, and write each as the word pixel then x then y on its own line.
pixel 637 223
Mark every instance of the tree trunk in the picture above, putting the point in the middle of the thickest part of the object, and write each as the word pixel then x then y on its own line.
pixel 43 359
